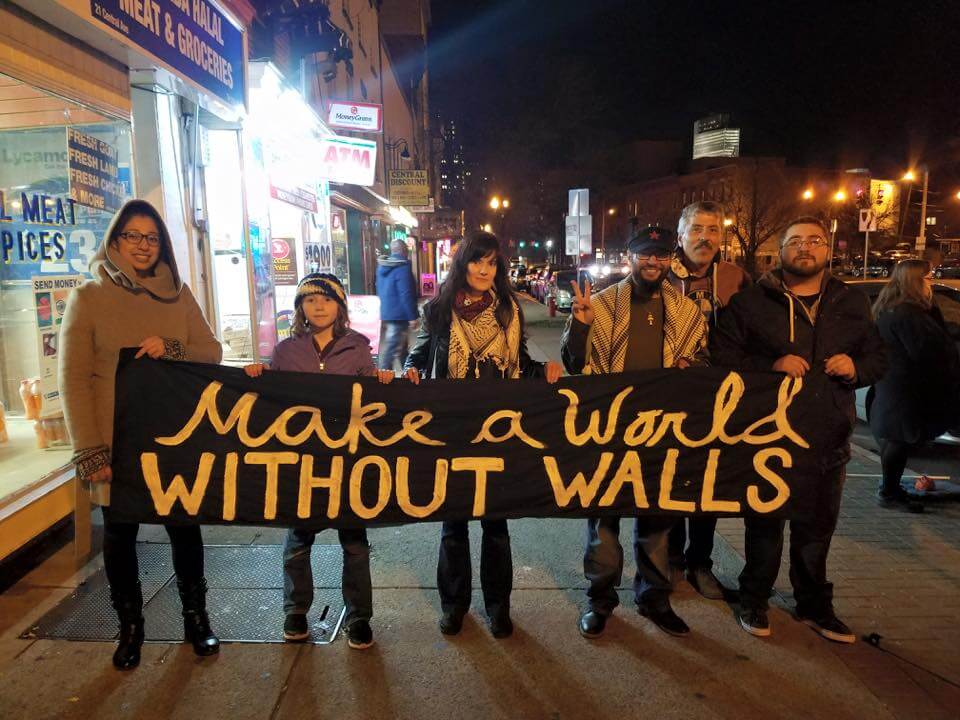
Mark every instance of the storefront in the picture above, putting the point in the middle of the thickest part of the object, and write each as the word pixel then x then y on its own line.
pixel 80 133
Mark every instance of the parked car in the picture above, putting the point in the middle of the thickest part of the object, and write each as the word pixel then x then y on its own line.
pixel 561 288
pixel 878 266
pixel 947 300
pixel 538 286
pixel 948 268
pixel 518 278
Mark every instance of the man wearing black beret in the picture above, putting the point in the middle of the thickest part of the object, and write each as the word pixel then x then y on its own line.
pixel 641 323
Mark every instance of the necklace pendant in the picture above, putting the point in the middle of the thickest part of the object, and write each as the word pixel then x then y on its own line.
pixel 650 319
pixel 322 366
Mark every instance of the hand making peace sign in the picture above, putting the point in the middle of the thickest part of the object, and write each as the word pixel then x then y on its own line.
pixel 581 308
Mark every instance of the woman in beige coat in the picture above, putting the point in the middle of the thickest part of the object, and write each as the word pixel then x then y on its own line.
pixel 135 299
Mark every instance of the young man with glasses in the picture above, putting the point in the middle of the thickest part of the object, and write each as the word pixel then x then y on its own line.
pixel 802 321
pixel 641 323
pixel 697 271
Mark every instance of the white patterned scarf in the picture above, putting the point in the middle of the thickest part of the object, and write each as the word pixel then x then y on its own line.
pixel 684 329
pixel 483 339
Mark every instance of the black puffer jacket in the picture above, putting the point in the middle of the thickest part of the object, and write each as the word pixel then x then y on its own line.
pixel 430 353
pixel 917 399
pixel 765 322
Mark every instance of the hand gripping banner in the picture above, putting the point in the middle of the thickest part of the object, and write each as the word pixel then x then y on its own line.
pixel 205 443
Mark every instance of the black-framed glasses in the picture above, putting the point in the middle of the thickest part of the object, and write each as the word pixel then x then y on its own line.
pixel 135 238
pixel 639 257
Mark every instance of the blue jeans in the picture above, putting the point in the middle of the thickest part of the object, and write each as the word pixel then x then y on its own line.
pixel 298 575
pixel 454 572
pixel 603 562
pixel 394 343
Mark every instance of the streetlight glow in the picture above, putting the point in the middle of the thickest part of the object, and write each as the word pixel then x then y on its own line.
pixel 550 242
pixel 612 211
pixel 495 202
pixel 840 196
pixel 909 176
pixel 808 194
pixel 488 228
pixel 727 222
pixel 505 203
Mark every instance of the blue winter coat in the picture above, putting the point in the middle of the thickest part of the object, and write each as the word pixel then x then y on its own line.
pixel 398 298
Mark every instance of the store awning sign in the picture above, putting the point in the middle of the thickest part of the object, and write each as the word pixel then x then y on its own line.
pixel 193 37
pixel 365 117
pixel 409 187
pixel 348 160
pixel 94 172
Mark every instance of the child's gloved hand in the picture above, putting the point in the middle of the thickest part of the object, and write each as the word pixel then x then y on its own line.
pixel 385 376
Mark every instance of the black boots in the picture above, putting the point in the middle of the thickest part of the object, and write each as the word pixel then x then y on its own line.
pixel 196 624
pixel 129 607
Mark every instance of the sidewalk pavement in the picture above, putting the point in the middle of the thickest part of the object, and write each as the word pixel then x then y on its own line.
pixel 896 575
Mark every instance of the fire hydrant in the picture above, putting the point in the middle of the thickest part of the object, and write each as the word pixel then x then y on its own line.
pixel 551 306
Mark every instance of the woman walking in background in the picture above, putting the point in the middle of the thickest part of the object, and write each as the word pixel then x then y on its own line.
pixel 474 329
pixel 917 399
pixel 135 299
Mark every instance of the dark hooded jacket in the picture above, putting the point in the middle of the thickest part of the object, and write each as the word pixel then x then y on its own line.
pixel 398 298
pixel 917 399
pixel 114 310
pixel 765 322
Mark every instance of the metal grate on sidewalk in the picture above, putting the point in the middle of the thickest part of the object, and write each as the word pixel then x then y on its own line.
pixel 244 600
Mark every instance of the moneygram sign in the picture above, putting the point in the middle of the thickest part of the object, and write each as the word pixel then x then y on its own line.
pixel 366 117
pixel 348 160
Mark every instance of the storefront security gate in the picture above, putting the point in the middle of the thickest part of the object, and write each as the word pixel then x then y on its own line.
pixel 244 601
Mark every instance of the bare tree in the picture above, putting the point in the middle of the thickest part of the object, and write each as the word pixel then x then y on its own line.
pixel 762 199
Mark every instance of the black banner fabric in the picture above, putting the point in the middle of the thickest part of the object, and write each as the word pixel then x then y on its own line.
pixel 206 443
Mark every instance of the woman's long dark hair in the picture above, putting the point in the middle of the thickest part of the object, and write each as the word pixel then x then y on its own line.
pixel 439 311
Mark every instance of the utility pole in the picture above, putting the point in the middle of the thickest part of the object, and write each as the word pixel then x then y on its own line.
pixel 922 238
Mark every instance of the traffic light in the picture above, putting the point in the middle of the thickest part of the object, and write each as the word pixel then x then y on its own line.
pixel 523 243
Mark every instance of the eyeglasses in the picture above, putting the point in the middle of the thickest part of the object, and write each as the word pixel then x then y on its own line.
pixel 814 243
pixel 135 238
pixel 644 258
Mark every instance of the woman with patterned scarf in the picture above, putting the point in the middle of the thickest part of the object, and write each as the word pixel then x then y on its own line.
pixel 474 329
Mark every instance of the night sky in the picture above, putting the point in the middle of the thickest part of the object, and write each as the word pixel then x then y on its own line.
pixel 827 84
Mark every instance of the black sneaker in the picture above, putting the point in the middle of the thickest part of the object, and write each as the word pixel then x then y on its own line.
pixel 359 635
pixel 830 627
pixel 665 619
pixel 754 621
pixel 295 628
pixel 899 499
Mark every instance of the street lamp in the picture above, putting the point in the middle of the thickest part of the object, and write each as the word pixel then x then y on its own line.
pixel 808 194
pixel 496 203
pixel 603 230
pixel 488 228
pixel 910 176
pixel 400 145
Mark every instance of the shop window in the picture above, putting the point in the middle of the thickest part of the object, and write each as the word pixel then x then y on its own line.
pixel 47 146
